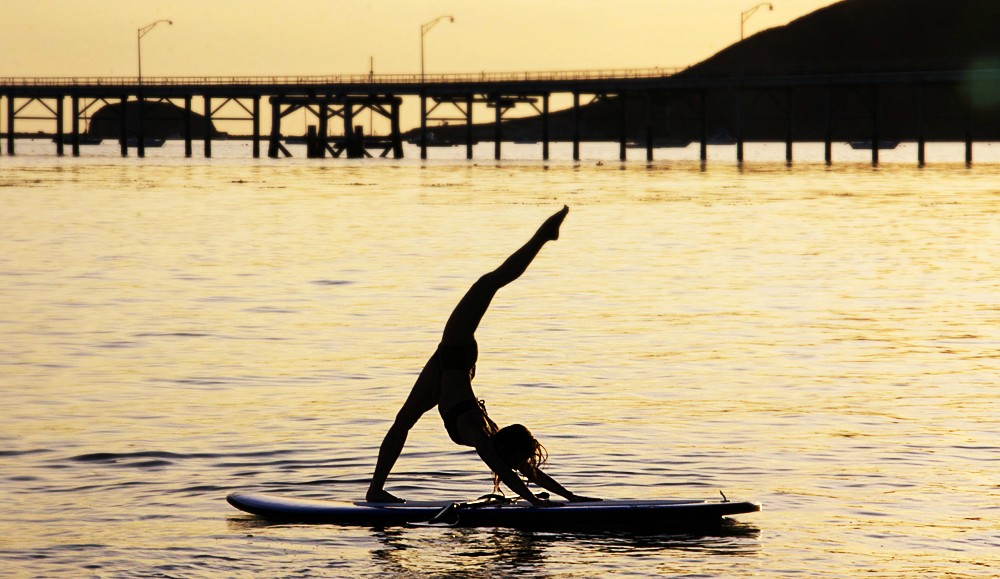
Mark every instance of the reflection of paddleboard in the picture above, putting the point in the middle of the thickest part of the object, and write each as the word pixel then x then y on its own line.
pixel 490 512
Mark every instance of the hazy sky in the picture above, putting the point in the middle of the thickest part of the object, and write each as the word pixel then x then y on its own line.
pixel 315 37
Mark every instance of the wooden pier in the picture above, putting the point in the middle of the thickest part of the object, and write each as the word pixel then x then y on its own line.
pixel 644 107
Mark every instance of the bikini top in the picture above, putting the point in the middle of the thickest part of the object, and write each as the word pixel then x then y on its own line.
pixel 450 417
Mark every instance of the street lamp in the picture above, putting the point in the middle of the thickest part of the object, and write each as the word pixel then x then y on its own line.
pixel 746 14
pixel 138 40
pixel 424 29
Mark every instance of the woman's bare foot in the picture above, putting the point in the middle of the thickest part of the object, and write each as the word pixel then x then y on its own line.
pixel 550 229
pixel 382 496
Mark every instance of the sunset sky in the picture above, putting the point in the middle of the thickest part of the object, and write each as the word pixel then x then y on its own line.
pixel 316 37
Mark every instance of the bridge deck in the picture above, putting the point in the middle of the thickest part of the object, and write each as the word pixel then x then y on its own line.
pixel 693 98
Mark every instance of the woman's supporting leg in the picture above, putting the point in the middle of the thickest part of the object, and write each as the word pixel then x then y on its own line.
pixel 424 396
pixel 465 318
pixel 392 447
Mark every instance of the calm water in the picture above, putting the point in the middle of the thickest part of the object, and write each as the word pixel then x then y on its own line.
pixel 823 340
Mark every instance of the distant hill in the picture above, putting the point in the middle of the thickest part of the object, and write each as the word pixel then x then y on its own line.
pixel 162 120
pixel 849 36
pixel 882 35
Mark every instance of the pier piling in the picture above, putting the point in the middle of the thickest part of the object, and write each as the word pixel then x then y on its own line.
pixel 10 125
pixel 623 126
pixel 140 130
pixel 59 126
pixel 818 106
pixel 423 126
pixel 739 123
pixel 576 126
pixel 703 140
pixel 788 126
pixel 875 125
pixel 75 124
pixel 208 127
pixel 187 127
pixel 123 128
pixel 545 127
pixel 256 126
pixel 649 126
pixel 468 126
pixel 921 126
pixel 828 130
pixel 498 114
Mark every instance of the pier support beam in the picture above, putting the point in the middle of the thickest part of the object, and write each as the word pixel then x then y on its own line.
pixel 123 121
pixel 140 132
pixel 397 138
pixel 739 124
pixel 875 125
pixel 968 148
pixel 445 109
pixel 312 143
pixel 623 126
pixel 74 111
pixel 545 127
pixel 274 141
pixel 352 144
pixel 423 126
pixel 10 125
pixel 355 149
pixel 828 133
pixel 576 126
pixel 59 125
pixel 321 140
pixel 788 126
pixel 468 127
pixel 187 127
pixel 703 138
pixel 208 127
pixel 274 146
pixel 649 126
pixel 223 107
pixel 256 127
pixel 921 125
pixel 496 125
pixel 969 105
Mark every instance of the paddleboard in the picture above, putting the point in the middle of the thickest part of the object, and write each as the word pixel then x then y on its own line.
pixel 493 511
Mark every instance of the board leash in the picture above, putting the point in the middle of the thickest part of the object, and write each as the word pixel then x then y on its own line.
pixel 449 515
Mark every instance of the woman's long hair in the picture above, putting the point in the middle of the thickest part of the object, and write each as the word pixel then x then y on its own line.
pixel 519 450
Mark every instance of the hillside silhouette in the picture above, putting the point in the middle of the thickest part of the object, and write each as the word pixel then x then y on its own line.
pixel 161 120
pixel 870 35
pixel 849 37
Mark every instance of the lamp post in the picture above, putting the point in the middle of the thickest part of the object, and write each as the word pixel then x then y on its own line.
pixel 138 41
pixel 140 132
pixel 424 29
pixel 744 16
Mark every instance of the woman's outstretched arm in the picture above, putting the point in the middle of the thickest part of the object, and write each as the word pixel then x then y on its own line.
pixel 487 452
pixel 548 483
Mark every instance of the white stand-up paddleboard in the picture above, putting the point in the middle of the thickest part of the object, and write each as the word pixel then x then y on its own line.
pixel 496 511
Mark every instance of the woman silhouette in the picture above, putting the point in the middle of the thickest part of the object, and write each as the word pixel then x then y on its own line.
pixel 446 382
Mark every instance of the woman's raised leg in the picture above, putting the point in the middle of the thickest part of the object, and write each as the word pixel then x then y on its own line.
pixel 465 318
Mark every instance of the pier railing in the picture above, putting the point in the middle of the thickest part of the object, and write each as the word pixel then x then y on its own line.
pixel 374 79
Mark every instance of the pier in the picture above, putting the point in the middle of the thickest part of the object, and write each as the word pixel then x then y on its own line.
pixel 637 108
